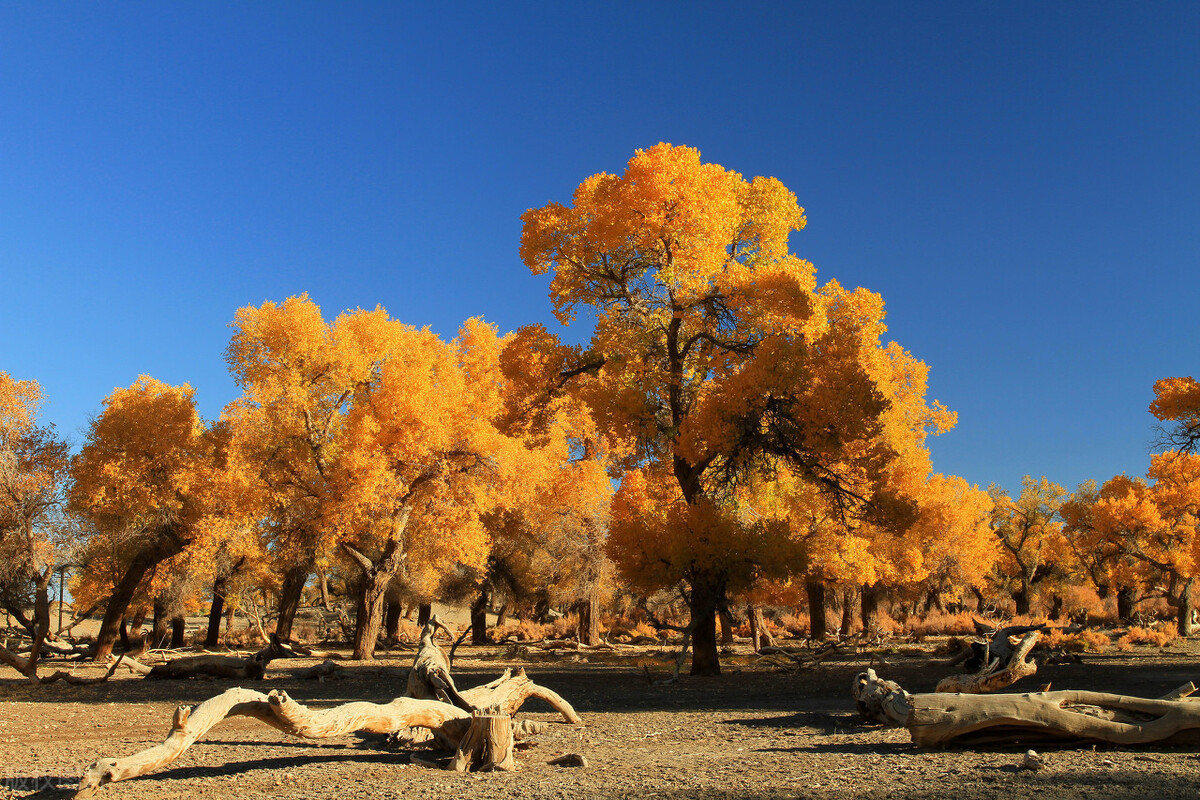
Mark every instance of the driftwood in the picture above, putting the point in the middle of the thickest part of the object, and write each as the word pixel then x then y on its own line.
pixel 209 666
pixel 1063 717
pixel 449 723
pixel 321 672
pixel 992 677
pixel 429 677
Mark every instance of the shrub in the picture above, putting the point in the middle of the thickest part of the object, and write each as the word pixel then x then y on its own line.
pixel 1159 635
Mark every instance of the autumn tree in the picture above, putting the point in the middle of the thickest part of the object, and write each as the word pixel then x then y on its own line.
pixel 35 531
pixel 1096 555
pixel 716 353
pixel 1029 532
pixel 1177 406
pixel 143 476
pixel 299 375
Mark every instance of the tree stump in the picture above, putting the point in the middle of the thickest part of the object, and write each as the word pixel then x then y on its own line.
pixel 488 743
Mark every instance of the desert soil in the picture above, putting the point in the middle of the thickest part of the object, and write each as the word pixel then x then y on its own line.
pixel 753 732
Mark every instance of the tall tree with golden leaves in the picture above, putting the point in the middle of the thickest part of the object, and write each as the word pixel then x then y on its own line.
pixel 1029 531
pixel 715 352
pixel 143 475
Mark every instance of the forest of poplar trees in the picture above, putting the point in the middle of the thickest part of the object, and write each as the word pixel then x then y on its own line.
pixel 738 445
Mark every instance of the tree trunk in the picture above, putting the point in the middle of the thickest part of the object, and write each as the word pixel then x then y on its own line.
pixel 1021 598
pixel 213 635
pixel 847 611
pixel 980 600
pixel 760 637
pixel 158 633
pixel 870 609
pixel 1056 607
pixel 424 612
pixel 817 628
pixel 502 615
pixel 177 632
pixel 290 593
pixel 726 620
pixel 479 630
pixel 589 620
pixel 933 600
pixel 166 544
pixel 1125 604
pixel 124 635
pixel 137 620
pixel 707 592
pixel 325 604
pixel 1184 608
pixel 391 620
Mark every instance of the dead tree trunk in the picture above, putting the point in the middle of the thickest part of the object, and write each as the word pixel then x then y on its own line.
pixel 448 723
pixel 941 720
pixel 487 744
pixel 817 628
pixel 992 678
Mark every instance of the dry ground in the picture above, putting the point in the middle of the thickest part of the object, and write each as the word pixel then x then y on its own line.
pixel 753 732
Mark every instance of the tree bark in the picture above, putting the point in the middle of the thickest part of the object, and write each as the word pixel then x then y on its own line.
pixel 324 584
pixel 177 632
pixel 847 611
pixel 706 592
pixel 479 608
pixel 158 632
pixel 933 600
pixel 870 609
pixel 726 620
pixel 589 620
pixel 291 591
pixel 1021 598
pixel 1056 607
pixel 424 612
pixel 760 637
pixel 817 627
pixel 213 636
pixel 391 620
pixel 1125 599
pixel 1183 609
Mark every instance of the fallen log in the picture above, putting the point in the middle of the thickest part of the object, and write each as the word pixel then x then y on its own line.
pixel 1062 717
pixel 251 668
pixel 447 722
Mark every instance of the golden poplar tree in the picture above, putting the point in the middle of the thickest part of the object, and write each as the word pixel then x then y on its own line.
pixel 716 353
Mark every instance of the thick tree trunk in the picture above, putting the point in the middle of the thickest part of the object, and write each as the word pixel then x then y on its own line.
pixel 847 611
pixel 166 544
pixel 707 592
pixel 870 609
pixel 589 621
pixel 1125 603
pixel 1021 598
pixel 213 636
pixel 137 620
pixel 817 627
pixel 391 620
pixel 291 590
pixel 159 632
pixel 980 600
pixel 424 613
pixel 479 629
pixel 124 636
pixel 177 631
pixel 502 615
pixel 1184 608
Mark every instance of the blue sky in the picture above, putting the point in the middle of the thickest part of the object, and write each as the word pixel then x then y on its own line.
pixel 1020 181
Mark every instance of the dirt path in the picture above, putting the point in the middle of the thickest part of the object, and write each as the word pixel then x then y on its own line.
pixel 750 733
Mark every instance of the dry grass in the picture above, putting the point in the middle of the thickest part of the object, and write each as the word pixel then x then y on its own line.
pixel 1159 635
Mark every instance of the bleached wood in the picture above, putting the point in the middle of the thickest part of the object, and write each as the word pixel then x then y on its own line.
pixel 487 743
pixel 992 678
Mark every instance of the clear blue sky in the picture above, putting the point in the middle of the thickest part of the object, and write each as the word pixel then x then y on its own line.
pixel 1021 182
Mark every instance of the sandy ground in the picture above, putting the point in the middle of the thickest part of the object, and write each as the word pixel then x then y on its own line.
pixel 753 732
